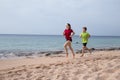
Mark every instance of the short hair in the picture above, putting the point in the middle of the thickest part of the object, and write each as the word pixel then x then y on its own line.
pixel 85 28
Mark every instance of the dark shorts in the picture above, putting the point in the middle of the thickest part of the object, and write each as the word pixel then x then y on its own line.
pixel 85 44
pixel 69 40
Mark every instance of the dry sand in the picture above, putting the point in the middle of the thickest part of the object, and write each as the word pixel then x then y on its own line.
pixel 103 65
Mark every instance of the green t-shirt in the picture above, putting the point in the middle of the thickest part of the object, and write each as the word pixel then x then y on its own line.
pixel 85 37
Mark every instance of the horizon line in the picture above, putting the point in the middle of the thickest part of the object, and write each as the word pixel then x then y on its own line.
pixel 55 35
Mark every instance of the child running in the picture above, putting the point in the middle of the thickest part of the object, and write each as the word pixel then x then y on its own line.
pixel 68 33
pixel 85 36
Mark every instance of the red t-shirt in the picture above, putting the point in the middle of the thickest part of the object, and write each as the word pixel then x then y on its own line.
pixel 67 33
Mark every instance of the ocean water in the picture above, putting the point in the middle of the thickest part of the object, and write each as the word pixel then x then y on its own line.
pixel 12 44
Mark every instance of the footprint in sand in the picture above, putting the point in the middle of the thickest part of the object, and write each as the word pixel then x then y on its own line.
pixel 102 77
pixel 79 71
pixel 29 74
pixel 75 78
pixel 62 77
pixel 2 77
pixel 117 67
pixel 22 78
pixel 86 77
pixel 118 77
pixel 96 69
pixel 50 71
pixel 110 71
pixel 110 65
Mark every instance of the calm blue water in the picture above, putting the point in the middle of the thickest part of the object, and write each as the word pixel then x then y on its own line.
pixel 14 44
pixel 51 43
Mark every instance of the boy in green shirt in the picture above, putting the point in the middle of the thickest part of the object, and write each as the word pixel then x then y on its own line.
pixel 85 36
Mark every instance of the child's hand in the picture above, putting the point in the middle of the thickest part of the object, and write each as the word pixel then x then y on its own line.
pixel 70 35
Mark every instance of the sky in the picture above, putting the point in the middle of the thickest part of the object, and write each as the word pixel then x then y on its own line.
pixel 49 17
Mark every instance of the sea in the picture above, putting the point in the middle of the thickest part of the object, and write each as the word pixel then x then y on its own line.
pixel 20 45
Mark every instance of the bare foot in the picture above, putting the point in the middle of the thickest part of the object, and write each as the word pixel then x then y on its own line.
pixel 66 55
pixel 90 51
pixel 82 55
pixel 73 56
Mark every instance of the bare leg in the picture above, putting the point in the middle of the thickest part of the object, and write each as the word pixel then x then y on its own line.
pixel 66 50
pixel 83 50
pixel 71 49
pixel 88 50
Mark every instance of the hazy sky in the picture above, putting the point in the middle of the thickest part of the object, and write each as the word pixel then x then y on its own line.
pixel 102 17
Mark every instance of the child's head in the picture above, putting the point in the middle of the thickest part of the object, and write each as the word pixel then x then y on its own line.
pixel 68 26
pixel 84 29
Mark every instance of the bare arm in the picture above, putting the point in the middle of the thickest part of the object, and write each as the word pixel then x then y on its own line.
pixel 63 33
pixel 80 35
pixel 89 36
pixel 73 33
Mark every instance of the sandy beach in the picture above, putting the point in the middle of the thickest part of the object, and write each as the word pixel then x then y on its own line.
pixel 101 65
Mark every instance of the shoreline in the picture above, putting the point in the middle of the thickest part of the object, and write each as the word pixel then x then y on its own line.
pixel 100 65
pixel 5 54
